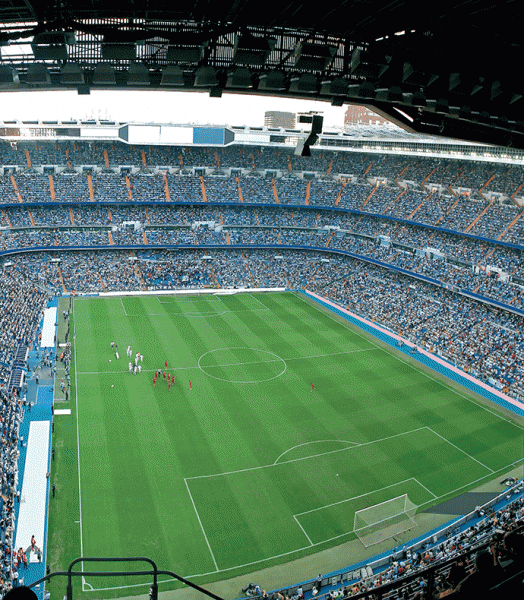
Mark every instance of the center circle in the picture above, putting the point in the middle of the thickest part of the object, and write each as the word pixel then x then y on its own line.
pixel 242 365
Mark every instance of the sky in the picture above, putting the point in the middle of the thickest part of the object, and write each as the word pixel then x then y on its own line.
pixel 157 107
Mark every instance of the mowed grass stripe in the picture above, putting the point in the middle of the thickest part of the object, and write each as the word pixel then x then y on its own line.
pixel 301 485
pixel 220 426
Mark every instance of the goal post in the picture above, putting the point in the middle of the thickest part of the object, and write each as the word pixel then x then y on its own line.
pixel 385 520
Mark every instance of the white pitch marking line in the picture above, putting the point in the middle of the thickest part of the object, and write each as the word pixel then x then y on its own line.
pixel 260 302
pixel 303 530
pixel 350 326
pixel 306 457
pixel 460 449
pixel 421 485
pixel 78 438
pixel 124 308
pixel 201 526
pixel 353 497
pixel 313 442
pixel 336 537
pixel 236 364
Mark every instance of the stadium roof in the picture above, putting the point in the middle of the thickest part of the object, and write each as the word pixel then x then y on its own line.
pixel 448 68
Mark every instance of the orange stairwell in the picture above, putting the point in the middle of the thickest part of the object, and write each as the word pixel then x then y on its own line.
pixel 240 197
pixel 369 197
pixel 510 225
pixel 394 201
pixel 340 193
pixel 91 190
pixel 61 279
pixel 17 191
pixel 6 219
pixel 52 187
pixel 129 193
pixel 71 216
pixel 28 158
pixel 203 188
pixel 166 188
pixel 419 206
pixel 475 220
pixel 308 192
pixel 275 193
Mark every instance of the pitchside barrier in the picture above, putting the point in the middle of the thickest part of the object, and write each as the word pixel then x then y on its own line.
pixel 194 292
pixel 423 356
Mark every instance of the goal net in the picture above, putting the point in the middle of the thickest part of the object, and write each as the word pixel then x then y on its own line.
pixel 385 520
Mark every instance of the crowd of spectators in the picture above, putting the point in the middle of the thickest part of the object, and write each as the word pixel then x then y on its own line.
pixel 465 564
pixel 21 304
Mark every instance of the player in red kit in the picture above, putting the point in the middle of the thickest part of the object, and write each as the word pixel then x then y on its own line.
pixel 164 374
pixel 190 384
pixel 312 387
pixel 169 386
pixel 165 364
pixel 173 379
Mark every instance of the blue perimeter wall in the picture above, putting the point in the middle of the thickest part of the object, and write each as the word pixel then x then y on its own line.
pixel 422 358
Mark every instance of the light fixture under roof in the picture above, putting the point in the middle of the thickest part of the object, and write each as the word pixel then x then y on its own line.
pixel 172 75
pixel 52 45
pixel 240 78
pixel 274 81
pixel 37 74
pixel 313 57
pixel 137 74
pixel 251 50
pixel 115 51
pixel 71 74
pixel 104 75
pixel 206 77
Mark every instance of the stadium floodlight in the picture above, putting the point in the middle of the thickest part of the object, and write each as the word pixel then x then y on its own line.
pixel 274 81
pixel 172 75
pixel 137 74
pixel 37 74
pixel 206 77
pixel 313 57
pixel 71 74
pixel 251 50
pixel 52 45
pixel 8 76
pixel 385 520
pixel 370 63
pixel 389 94
pixel 185 54
pixel 116 51
pixel 104 75
pixel 334 87
pixel 306 83
pixel 240 78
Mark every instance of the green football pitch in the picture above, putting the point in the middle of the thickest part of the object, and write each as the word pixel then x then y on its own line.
pixel 250 467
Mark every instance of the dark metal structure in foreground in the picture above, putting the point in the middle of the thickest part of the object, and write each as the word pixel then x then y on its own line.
pixel 446 69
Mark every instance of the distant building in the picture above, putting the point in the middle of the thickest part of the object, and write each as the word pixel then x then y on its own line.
pixel 359 115
pixel 275 118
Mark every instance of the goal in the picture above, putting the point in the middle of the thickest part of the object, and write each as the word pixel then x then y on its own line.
pixel 385 520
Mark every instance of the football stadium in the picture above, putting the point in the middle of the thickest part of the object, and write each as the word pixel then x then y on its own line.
pixel 280 361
